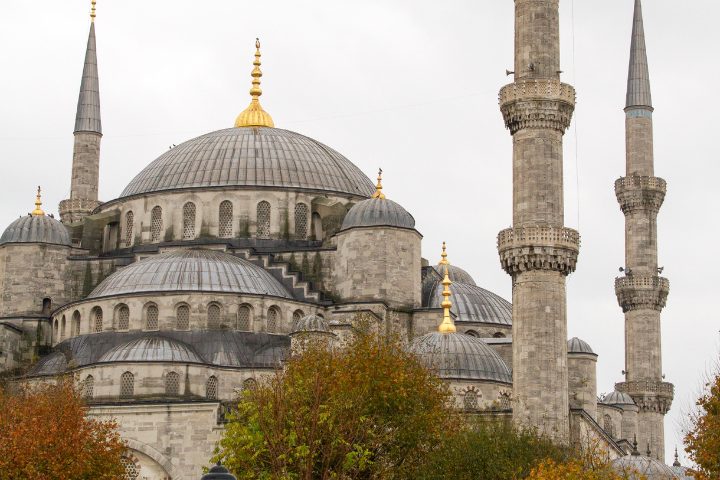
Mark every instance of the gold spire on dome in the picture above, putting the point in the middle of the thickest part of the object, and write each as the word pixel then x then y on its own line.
pixel 254 115
pixel 378 188
pixel 92 11
pixel 447 325
pixel 38 203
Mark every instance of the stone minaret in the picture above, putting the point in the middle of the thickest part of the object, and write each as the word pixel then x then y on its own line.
pixel 88 132
pixel 642 292
pixel 538 251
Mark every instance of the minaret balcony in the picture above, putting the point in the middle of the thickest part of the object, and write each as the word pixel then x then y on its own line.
pixel 74 209
pixel 642 292
pixel 537 103
pixel 649 395
pixel 538 248
pixel 640 193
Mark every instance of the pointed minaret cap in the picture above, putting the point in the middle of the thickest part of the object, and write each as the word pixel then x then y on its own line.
pixel 676 463
pixel 87 118
pixel 254 115
pixel 638 87
pixel 447 325
pixel 378 188
pixel 38 204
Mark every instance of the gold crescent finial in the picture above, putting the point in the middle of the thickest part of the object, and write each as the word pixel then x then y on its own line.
pixel 378 188
pixel 254 115
pixel 38 203
pixel 447 325
pixel 92 11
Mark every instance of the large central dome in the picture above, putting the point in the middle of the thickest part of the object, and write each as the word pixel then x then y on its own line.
pixel 252 157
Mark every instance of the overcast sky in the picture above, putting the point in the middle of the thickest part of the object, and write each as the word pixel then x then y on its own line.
pixel 410 86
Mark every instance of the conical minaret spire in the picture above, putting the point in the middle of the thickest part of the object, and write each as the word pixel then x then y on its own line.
pixel 254 115
pixel 88 132
pixel 642 292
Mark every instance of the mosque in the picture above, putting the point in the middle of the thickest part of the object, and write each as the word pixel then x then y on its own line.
pixel 228 250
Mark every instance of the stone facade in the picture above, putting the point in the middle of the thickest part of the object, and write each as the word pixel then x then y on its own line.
pixel 85 178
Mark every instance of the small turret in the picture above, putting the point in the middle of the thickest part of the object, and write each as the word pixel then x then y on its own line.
pixel 582 376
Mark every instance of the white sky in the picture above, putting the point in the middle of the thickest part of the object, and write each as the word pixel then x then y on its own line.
pixel 410 86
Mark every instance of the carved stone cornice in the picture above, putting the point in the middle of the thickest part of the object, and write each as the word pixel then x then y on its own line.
pixel 638 292
pixel 73 210
pixel 649 395
pixel 538 248
pixel 639 193
pixel 542 103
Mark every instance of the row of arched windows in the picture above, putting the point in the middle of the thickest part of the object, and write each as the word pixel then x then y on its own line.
pixel 225 221
pixel 172 386
pixel 215 319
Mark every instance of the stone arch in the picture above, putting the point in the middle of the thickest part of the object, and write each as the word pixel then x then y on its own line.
pixel 96 317
pixel 76 322
pixel 214 316
pixel 498 335
pixel 245 317
pixel 225 219
pixel 62 327
pixel 472 333
pixel 189 216
pixel 156 223
pixel 182 316
pixel 263 219
pixel 274 318
pixel 151 315
pixel 155 455
pixel 471 399
pixel 317 227
pixel 122 317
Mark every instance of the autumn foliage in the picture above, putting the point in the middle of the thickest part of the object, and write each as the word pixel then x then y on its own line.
pixel 45 435
pixel 702 442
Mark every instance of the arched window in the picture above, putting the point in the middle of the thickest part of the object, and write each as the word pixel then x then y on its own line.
pixel 88 387
pixel 213 319
pixel 470 400
pixel 272 319
pixel 156 224
pixel 608 425
pixel 123 322
pixel 97 315
pixel 183 317
pixel 76 322
pixel 225 218
pixel 244 318
pixel 129 226
pixel 301 221
pixel 188 231
pixel 62 327
pixel 297 316
pixel 263 219
pixel 172 384
pixel 249 384
pixel 132 469
pixel 211 388
pixel 47 306
pixel 56 330
pixel 127 385
pixel 151 317
pixel 472 333
pixel 498 335
pixel 317 226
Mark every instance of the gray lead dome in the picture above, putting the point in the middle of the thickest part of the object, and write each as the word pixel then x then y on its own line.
pixel 152 349
pixel 196 270
pixel 255 157
pixel 575 345
pixel 475 304
pixel 376 212
pixel 36 229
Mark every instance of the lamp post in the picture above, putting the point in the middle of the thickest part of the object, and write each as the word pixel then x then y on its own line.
pixel 218 472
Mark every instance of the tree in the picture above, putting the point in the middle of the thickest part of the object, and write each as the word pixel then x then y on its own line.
pixel 587 462
pixel 370 410
pixel 702 441
pixel 45 435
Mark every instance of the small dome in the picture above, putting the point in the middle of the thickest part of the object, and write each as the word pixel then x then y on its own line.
pixel 462 357
pixel 575 345
pixel 378 212
pixel 152 349
pixel 618 398
pixel 53 364
pixel 36 229
pixel 311 323
pixel 456 274
pixel 475 304
pixel 194 270
pixel 646 467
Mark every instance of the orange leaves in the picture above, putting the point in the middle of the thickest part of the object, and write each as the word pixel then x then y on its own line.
pixel 702 442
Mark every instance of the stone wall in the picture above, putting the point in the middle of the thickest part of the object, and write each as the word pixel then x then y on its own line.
pixel 582 382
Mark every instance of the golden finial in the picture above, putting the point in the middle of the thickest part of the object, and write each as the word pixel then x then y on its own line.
pixel 447 325
pixel 92 11
pixel 378 188
pixel 254 115
pixel 38 203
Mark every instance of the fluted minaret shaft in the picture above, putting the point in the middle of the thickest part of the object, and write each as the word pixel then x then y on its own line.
pixel 86 148
pixel 642 292
pixel 538 251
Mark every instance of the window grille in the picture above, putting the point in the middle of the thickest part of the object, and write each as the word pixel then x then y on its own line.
pixel 172 384
pixel 470 400
pixel 76 322
pixel 124 318
pixel 152 317
pixel 88 387
pixel 301 221
pixel 127 385
pixel 272 320
pixel 213 316
pixel 263 219
pixel 297 316
pixel 244 318
pixel 129 225
pixel 225 219
pixel 249 384
pixel 211 388
pixel 608 425
pixel 188 221
pixel 156 224
pixel 98 316
pixel 132 471
pixel 183 317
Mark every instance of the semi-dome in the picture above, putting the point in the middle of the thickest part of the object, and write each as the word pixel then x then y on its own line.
pixel 193 270
pixel 152 348
pixel 36 229
pixel 251 157
pixel 377 212
pixel 311 323
pixel 475 304
pixel 642 467
pixel 461 357
pixel 575 345
pixel 456 274
pixel 618 398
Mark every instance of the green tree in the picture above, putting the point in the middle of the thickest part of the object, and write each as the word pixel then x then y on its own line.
pixel 702 441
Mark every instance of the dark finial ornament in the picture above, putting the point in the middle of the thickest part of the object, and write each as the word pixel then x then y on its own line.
pixel 218 472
